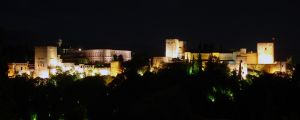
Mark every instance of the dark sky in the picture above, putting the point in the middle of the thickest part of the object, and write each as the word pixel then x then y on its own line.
pixel 142 26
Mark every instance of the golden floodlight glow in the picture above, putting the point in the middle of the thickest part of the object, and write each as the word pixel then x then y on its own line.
pixel 216 54
pixel 187 56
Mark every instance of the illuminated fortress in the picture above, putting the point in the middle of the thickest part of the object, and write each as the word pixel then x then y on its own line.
pixel 263 60
pixel 175 48
pixel 48 60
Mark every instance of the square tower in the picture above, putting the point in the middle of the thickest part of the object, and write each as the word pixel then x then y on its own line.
pixel 45 58
pixel 175 48
pixel 265 53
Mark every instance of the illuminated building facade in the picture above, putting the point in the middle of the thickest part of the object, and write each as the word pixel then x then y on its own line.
pixel 106 55
pixel 115 68
pixel 15 69
pixel 72 55
pixel 47 62
pixel 175 48
pixel 45 59
pixel 158 62
pixel 240 61
pixel 265 52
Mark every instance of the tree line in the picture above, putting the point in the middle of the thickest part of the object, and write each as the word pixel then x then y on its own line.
pixel 174 92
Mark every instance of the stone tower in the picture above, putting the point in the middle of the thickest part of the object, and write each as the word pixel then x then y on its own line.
pixel 265 53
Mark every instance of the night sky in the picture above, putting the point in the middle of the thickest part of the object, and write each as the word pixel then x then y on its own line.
pixel 142 26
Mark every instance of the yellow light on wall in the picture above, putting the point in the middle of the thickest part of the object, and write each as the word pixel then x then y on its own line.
pixel 187 56
pixel 115 68
pixel 216 54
